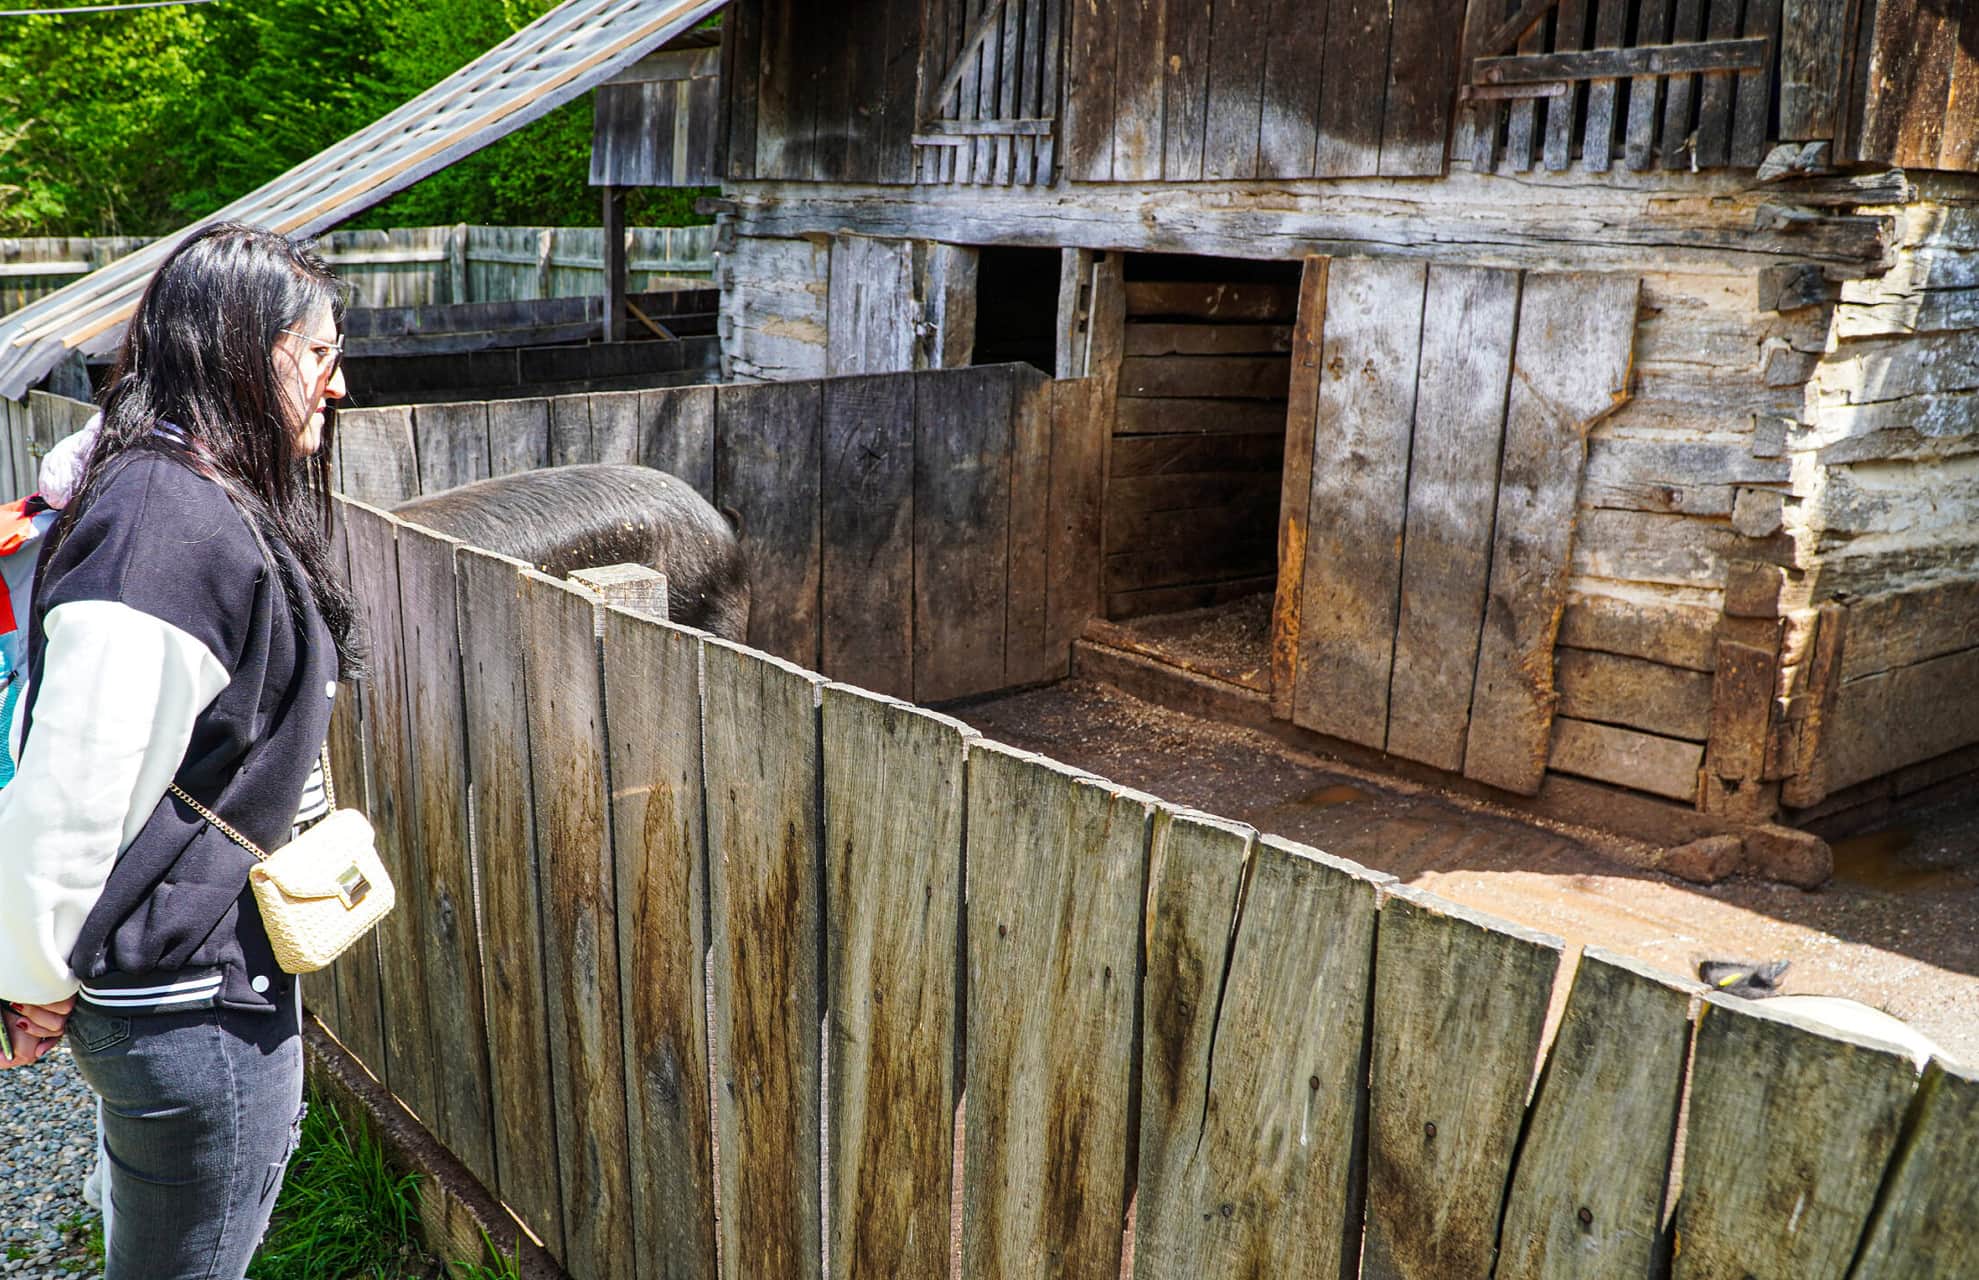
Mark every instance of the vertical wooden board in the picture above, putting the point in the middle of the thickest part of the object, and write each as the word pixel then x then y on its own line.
pixel 742 35
pixel 1958 148
pixel 1030 101
pixel 659 833
pixel 1140 82
pixel 1422 80
pixel 767 468
pixel 1814 40
pixel 1295 484
pixel 867 568
pixel 1459 1005
pixel 979 102
pixel 1288 128
pixel 761 766
pixel 962 421
pixel 436 737
pixel 498 748
pixel 568 780
pixel 1057 872
pixel 359 1017
pixel 1789 1130
pixel 1026 652
pixel 1679 92
pixel 1270 1114
pixel 1587 1199
pixel 1927 1219
pixel 374 578
pixel 1352 89
pixel 1078 490
pixel 1715 95
pixel 1904 82
pixel 1639 143
pixel 615 426
pixel 870 310
pixel 1752 116
pixel 1235 89
pixel 1603 96
pixel 893 879
pixel 1569 29
pixel 1091 39
pixel 452 444
pixel 1360 465
pixel 849 103
pixel 677 435
pixel 783 130
pixel 1522 114
pixel 892 150
pixel 1008 63
pixel 570 431
pixel 518 436
pixel 1570 368
pixel 1469 322
pixel 376 454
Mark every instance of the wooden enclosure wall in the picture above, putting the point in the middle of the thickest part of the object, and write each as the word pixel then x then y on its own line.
pixel 929 535
pixel 1916 73
pixel 1290 1065
pixel 658 123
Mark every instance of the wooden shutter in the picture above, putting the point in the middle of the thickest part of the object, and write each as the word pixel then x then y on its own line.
pixel 990 71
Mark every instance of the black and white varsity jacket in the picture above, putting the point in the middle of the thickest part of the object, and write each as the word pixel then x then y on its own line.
pixel 162 648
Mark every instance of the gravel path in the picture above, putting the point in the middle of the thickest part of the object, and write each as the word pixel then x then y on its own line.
pixel 47 1142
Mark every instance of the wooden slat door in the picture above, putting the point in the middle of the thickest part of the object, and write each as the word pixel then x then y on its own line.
pixel 1433 462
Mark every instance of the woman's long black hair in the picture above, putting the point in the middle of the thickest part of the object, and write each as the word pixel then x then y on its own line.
pixel 199 355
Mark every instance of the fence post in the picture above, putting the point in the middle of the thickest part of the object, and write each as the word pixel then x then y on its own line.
pixel 545 247
pixel 612 252
pixel 457 263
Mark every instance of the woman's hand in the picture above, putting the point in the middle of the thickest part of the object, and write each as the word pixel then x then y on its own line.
pixel 35 1029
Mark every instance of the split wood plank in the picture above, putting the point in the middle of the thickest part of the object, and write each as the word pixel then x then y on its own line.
pixel 570 431
pixel 1185 88
pixel 1900 628
pixel 1353 88
pixel 569 782
pixel 1557 151
pixel 1639 142
pixel 1267 1064
pixel 1633 692
pixel 1236 90
pixel 1476 133
pixel 1468 323
pixel 1460 1002
pixel 1090 78
pixel 1289 118
pixel 518 436
pixel 761 771
pixel 1789 1130
pixel 1008 60
pixel 1222 303
pixel 962 443
pixel 374 577
pixel 615 422
pixel 867 565
pixel 359 1014
pixel 1057 872
pixel 783 131
pixel 1522 114
pixel 659 831
pixel 1753 115
pixel 1812 33
pixel 1195 492
pixel 1139 88
pixel 377 458
pixel 871 309
pixel 1925 1220
pixel 1175 415
pixel 1045 69
pixel 1679 91
pixel 1422 76
pixel 890 149
pixel 893 779
pixel 1078 490
pixel 1570 368
pixel 1806 782
pixel 1133 457
pixel 436 737
pixel 1587 1197
pixel 497 701
pixel 1958 147
pixel 1905 83
pixel 451 444
pixel 1626 757
pixel 1295 485
pixel 1360 460
pixel 1146 339
pixel 1713 148
pixel 768 464
pixel 1026 651
pixel 1230 377
pixel 677 435
pixel 1899 717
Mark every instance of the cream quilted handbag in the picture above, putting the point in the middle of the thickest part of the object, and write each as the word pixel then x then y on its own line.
pixel 321 891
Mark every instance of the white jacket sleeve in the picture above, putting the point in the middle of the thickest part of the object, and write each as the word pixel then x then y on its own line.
pixel 120 691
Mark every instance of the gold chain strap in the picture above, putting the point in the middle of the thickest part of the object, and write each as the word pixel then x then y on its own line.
pixel 220 824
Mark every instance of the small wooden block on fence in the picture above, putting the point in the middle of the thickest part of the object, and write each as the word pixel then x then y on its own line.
pixel 659 834
pixel 1459 1006
pixel 639 588
pixel 567 765
pixel 761 766
pixel 1587 1199
pixel 1790 1129
pixel 1927 1221
pixel 893 780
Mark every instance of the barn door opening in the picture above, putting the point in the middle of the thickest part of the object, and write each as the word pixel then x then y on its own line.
pixel 1433 456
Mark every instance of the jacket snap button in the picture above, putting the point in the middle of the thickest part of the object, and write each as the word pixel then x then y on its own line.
pixel 259 983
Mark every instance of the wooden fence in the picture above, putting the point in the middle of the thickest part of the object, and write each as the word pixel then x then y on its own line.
pixel 641 866
pixel 412 266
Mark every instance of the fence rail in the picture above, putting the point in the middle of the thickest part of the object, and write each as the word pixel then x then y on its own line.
pixel 411 266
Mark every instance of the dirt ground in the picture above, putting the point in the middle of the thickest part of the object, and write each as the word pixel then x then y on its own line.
pixel 1897 927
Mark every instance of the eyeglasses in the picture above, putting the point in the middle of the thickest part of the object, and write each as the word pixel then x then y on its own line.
pixel 336 350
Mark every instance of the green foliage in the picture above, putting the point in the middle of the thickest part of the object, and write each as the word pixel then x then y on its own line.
pixel 136 123
pixel 344 1213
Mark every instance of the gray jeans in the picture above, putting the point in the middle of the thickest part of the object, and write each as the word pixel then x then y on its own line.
pixel 200 1112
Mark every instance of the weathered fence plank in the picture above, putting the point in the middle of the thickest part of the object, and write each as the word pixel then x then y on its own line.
pixel 1459 1004
pixel 761 762
pixel 497 701
pixel 1057 868
pixel 570 431
pixel 961 530
pixel 659 832
pixel 377 460
pixel 893 876
pixel 1927 1223
pixel 359 1018
pixel 1790 1128
pixel 1026 651
pixel 1295 482
pixel 615 426
pixel 451 442
pixel 568 778
pixel 867 559
pixel 436 736
pixel 1587 1199
pixel 518 436
pixel 1078 486
pixel 408 1066
pixel 768 468
pixel 677 434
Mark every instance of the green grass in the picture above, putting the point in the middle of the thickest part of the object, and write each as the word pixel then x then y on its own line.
pixel 344 1212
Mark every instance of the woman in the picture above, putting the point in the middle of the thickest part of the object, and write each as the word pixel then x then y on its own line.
pixel 187 627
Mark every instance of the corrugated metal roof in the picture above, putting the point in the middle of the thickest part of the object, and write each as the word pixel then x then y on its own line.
pixel 562 54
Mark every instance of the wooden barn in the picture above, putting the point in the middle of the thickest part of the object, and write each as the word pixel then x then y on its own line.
pixel 1579 392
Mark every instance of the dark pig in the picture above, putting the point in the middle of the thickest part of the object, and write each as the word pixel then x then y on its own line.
pixel 565 518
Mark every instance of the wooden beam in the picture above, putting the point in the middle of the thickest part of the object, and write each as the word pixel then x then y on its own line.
pixel 1615 64
pixel 614 250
